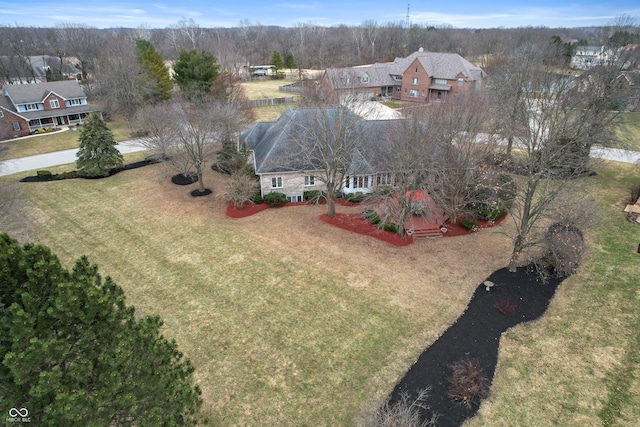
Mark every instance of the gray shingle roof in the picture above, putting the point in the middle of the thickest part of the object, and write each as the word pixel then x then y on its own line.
pixel 438 65
pixel 37 92
pixel 276 150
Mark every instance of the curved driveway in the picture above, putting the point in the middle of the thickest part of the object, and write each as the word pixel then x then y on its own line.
pixel 47 160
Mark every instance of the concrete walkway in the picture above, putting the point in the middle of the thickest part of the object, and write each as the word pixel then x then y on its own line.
pixel 47 160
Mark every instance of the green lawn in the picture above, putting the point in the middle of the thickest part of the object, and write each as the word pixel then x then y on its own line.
pixel 291 322
pixel 630 131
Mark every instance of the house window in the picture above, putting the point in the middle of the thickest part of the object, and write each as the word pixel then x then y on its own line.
pixel 75 102
pixel 460 81
pixel 361 181
pixel 441 81
pixel 294 199
pixel 31 107
pixel 416 69
pixel 276 182
pixel 365 79
pixel 347 182
pixel 53 102
pixel 414 81
pixel 398 89
pixel 413 93
pixel 16 126
pixel 1 114
pixel 309 180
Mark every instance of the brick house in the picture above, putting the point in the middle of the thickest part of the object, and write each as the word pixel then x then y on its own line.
pixel 420 77
pixel 27 108
pixel 274 153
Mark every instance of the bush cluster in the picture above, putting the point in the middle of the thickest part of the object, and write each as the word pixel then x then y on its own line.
pixel 373 217
pixel 390 226
pixel 44 175
pixel 469 224
pixel 257 199
pixel 275 198
pixel 355 197
pixel 312 195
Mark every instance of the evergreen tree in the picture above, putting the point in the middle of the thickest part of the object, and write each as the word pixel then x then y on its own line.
pixel 156 76
pixel 195 72
pixel 289 62
pixel 276 63
pixel 73 353
pixel 97 154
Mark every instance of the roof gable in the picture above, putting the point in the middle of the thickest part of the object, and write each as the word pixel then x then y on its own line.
pixel 37 92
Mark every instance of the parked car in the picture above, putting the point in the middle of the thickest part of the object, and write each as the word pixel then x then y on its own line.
pixel 261 72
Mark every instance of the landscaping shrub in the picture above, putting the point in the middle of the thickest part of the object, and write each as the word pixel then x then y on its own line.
pixel 373 217
pixel 566 248
pixel 49 129
pixel 257 199
pixel 275 198
pixel 68 175
pixel 355 197
pixel 403 413
pixel 44 175
pixel 468 384
pixel 390 226
pixel 634 195
pixel 488 214
pixel 469 225
pixel 312 195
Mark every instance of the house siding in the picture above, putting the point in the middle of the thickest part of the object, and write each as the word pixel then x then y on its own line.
pixel 292 183
pixel 6 125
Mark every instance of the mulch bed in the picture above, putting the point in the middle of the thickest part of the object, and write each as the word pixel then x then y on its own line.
pixel 356 223
pixel 476 336
pixel 71 175
pixel 181 179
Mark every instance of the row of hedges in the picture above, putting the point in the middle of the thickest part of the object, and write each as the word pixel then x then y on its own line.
pixel 373 217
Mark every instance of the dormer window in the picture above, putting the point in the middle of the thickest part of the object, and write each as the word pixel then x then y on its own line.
pixel 53 102
pixel 365 79
pixel 441 81
pixel 30 107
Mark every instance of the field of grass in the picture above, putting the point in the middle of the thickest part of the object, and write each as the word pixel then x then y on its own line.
pixel 630 132
pixel 291 322
pixel 266 88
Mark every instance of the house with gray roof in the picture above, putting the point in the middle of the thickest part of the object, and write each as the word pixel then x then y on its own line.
pixel 27 108
pixel 420 77
pixel 275 153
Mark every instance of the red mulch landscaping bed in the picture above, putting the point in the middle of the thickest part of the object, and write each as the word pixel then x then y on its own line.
pixel 356 223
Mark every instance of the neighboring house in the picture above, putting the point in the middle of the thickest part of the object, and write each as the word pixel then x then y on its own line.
pixel 35 69
pixel 420 77
pixel 273 151
pixel 26 108
pixel 627 85
pixel 586 57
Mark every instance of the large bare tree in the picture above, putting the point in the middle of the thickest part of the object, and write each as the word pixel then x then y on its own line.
pixel 559 119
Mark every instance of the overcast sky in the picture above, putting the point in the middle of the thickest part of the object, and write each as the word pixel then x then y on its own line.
pixel 208 13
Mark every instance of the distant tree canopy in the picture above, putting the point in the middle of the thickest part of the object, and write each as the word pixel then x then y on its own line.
pixel 73 353
pixel 156 75
pixel 195 72
pixel 97 154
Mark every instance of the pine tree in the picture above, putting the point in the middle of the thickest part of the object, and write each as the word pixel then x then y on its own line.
pixel 289 62
pixel 155 74
pixel 73 353
pixel 97 154
pixel 276 63
pixel 195 72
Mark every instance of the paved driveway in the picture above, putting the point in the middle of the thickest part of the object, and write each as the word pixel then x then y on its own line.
pixel 47 160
